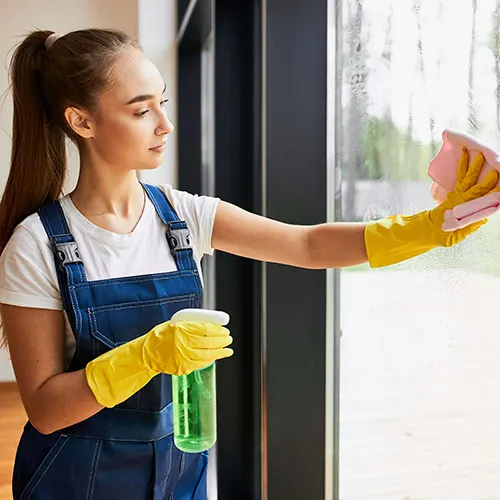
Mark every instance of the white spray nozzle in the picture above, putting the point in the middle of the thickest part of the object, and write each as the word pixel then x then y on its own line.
pixel 216 317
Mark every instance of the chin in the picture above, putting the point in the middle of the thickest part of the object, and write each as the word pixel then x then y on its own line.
pixel 150 166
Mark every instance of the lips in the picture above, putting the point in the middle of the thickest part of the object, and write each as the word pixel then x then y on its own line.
pixel 159 148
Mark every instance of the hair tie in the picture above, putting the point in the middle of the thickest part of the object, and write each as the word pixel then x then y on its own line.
pixel 49 41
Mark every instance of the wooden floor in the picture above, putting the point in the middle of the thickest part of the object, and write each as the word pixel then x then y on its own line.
pixel 12 420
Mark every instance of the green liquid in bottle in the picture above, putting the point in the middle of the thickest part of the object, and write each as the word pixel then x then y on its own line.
pixel 195 413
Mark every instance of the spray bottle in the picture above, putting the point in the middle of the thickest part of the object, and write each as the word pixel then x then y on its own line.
pixel 194 395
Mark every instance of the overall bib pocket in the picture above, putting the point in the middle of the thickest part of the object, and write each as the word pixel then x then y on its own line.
pixel 116 324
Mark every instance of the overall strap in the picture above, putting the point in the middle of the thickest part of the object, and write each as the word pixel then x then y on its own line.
pixel 69 265
pixel 177 232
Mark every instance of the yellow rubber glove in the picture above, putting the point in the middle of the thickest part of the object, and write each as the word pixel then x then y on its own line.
pixel 400 237
pixel 173 348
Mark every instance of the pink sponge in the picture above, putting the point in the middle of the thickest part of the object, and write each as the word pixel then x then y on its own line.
pixel 472 211
pixel 443 171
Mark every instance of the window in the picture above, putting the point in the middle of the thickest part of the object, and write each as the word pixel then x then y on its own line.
pixel 420 348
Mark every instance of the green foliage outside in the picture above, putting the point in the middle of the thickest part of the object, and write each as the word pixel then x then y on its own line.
pixel 391 153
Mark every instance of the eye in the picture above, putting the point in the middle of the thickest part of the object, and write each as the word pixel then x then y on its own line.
pixel 146 111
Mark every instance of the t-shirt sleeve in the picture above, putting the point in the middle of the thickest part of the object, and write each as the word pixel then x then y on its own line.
pixel 199 214
pixel 27 273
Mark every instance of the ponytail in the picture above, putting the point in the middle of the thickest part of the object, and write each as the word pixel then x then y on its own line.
pixel 38 159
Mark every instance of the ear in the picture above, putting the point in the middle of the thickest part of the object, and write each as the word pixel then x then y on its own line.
pixel 80 122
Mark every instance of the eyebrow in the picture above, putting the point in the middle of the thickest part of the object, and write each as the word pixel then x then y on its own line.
pixel 144 97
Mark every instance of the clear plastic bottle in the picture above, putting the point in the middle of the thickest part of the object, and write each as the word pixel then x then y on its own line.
pixel 194 395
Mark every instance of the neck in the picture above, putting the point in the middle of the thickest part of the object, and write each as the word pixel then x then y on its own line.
pixel 102 190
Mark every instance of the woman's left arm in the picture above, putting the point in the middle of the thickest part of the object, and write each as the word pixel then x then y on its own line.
pixel 321 246
pixel 339 244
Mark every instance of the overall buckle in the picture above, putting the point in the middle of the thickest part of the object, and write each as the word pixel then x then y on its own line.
pixel 178 238
pixel 67 253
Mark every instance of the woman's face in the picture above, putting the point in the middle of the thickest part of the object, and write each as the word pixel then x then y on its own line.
pixel 130 127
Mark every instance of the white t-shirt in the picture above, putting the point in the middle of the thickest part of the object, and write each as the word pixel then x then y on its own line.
pixel 27 269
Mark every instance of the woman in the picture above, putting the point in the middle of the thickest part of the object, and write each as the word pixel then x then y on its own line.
pixel 120 258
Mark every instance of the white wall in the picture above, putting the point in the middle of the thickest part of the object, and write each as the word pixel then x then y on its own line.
pixel 152 21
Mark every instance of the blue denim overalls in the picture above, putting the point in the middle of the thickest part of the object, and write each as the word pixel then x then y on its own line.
pixel 125 452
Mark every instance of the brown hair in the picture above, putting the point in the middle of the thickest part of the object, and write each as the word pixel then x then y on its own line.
pixel 71 71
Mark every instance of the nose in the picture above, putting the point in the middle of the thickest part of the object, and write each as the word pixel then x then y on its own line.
pixel 165 126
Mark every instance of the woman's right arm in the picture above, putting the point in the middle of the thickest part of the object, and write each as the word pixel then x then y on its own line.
pixel 55 399
pixel 52 398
